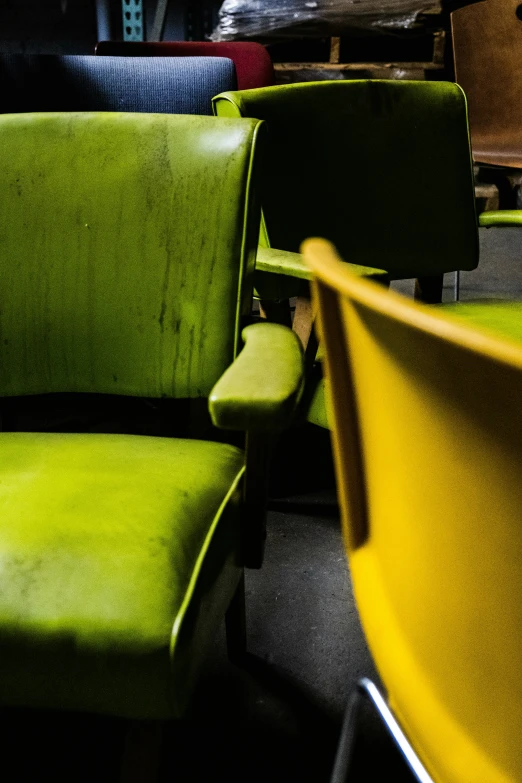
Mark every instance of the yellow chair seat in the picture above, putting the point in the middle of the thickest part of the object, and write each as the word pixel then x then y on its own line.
pixel 102 543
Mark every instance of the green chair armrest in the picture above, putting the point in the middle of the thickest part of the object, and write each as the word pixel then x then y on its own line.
pixel 261 388
pixel 283 262
pixel 501 217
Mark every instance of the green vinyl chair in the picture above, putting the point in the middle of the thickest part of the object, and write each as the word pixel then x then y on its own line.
pixel 427 433
pixel 128 246
pixel 380 168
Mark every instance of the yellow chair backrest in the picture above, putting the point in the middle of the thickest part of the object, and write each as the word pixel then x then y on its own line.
pixel 427 417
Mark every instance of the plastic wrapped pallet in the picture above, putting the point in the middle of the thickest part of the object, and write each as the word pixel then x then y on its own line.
pixel 239 19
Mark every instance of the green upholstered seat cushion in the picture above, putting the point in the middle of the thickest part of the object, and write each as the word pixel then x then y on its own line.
pixel 504 318
pixel 102 543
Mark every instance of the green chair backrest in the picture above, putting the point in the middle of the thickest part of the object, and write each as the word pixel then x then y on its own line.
pixel 380 168
pixel 127 248
pixel 428 443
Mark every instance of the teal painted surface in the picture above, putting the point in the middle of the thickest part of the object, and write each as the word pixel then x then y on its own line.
pixel 380 168
pixel 127 244
pixel 132 20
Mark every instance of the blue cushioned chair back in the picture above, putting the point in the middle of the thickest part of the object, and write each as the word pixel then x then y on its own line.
pixel 163 85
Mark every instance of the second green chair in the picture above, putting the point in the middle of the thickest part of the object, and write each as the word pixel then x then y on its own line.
pixel 380 168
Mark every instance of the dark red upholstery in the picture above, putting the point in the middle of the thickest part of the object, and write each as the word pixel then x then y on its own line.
pixel 253 64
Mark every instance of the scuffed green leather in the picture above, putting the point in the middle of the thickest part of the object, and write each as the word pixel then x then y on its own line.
pixel 337 151
pixel 109 545
pixel 501 217
pixel 261 389
pixel 504 318
pixel 282 262
pixel 104 219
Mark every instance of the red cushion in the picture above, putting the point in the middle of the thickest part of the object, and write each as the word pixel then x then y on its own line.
pixel 253 64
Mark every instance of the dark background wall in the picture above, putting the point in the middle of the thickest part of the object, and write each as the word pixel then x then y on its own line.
pixel 56 26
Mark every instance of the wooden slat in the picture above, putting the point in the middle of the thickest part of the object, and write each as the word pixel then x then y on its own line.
pixel 335 49
pixel 406 66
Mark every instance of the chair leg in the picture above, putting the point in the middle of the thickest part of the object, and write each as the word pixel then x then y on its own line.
pixel 404 765
pixel 428 289
pixel 303 319
pixel 456 286
pixel 142 752
pixel 235 624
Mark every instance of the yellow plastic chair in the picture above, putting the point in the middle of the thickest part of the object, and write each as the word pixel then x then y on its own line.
pixel 427 431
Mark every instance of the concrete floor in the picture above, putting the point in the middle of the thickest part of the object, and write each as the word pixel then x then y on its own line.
pixel 278 719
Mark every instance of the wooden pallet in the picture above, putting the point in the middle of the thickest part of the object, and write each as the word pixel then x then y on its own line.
pixel 288 72
pixel 487 197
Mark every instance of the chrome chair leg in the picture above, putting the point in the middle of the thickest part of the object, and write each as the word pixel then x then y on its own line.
pixel 456 285
pixel 366 690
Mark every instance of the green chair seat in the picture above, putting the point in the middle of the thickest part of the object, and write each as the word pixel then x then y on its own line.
pixel 501 217
pixel 502 317
pixel 102 603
